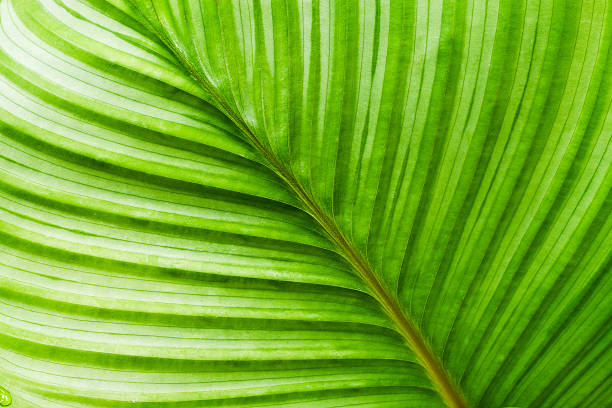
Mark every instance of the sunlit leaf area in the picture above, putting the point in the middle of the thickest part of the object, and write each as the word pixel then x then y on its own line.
pixel 305 203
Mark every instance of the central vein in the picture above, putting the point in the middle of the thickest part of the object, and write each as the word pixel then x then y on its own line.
pixel 447 388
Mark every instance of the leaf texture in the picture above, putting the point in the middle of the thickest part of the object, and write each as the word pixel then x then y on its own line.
pixel 234 203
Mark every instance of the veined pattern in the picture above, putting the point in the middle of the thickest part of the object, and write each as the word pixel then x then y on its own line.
pixel 176 175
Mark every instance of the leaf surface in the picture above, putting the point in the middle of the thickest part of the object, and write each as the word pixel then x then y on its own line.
pixel 286 203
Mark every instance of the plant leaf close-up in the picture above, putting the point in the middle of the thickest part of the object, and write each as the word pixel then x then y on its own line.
pixel 295 203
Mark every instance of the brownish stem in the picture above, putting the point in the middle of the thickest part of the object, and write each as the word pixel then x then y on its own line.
pixel 447 388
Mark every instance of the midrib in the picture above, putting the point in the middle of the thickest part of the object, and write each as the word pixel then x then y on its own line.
pixel 446 387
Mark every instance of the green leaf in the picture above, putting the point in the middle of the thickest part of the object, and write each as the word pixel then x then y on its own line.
pixel 305 204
